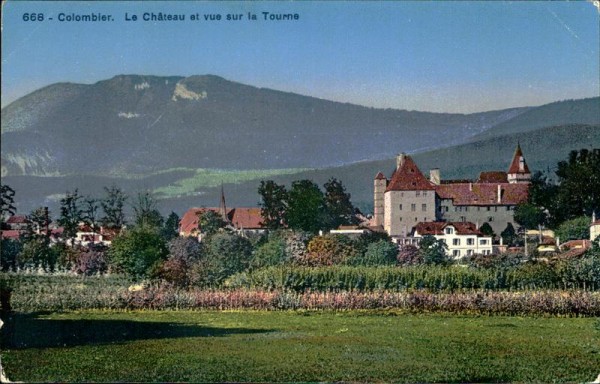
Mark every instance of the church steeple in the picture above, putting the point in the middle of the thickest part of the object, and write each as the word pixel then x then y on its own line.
pixel 222 207
pixel 518 172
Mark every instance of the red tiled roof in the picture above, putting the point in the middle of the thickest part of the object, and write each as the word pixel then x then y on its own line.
pixel 571 244
pixel 190 220
pixel 493 177
pixel 10 234
pixel 456 181
pixel 484 193
pixel 409 178
pixel 17 219
pixel 380 176
pixel 514 166
pixel 246 218
pixel 437 228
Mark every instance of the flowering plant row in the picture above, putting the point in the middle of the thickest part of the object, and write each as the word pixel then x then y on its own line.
pixel 61 296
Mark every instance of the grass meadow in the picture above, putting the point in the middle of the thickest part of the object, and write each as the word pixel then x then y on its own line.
pixel 385 345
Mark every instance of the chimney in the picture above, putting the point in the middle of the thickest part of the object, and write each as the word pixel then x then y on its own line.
pixel 499 193
pixel 400 160
pixel 471 187
pixel 434 176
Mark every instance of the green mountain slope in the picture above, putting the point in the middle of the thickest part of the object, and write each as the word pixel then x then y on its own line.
pixel 584 111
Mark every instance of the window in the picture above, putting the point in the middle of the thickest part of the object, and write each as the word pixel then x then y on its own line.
pixel 456 253
pixel 466 209
pixel 418 193
pixel 463 219
pixel 424 207
pixel 483 242
pixel 413 207
pixel 508 208
pixel 424 193
pixel 495 209
pixel 400 219
pixel 449 231
pixel 469 252
pixel 456 242
pixel 478 209
pixel 489 208
pixel 400 206
pixel 416 219
pixel 470 241
pixel 490 219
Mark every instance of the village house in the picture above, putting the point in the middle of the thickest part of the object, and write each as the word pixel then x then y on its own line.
pixel 594 228
pixel 462 238
pixel 408 197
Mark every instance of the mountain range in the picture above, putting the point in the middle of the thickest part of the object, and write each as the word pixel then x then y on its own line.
pixel 181 136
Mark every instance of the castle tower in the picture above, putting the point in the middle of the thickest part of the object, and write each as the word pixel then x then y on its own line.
pixel 518 172
pixel 379 186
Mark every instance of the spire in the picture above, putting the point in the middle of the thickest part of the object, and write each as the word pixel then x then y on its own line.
pixel 518 170
pixel 222 206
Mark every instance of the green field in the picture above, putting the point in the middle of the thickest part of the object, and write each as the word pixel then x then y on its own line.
pixel 298 346
pixel 209 178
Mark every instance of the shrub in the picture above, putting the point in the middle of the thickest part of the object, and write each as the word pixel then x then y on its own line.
pixel 184 252
pixel 328 250
pixel 90 263
pixel 409 255
pixel 272 252
pixel 9 253
pixel 382 252
pixel 226 254
pixel 138 252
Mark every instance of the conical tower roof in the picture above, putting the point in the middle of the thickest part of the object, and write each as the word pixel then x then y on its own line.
pixel 515 165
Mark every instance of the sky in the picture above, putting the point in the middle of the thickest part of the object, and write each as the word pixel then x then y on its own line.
pixel 436 56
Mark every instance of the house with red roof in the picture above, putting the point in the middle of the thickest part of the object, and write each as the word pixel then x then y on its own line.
pixel 408 197
pixel 462 238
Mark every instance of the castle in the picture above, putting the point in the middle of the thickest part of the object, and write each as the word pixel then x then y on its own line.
pixel 408 197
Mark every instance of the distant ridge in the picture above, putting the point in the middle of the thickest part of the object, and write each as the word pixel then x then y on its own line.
pixel 138 124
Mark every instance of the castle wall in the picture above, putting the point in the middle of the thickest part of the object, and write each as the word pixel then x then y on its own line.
pixel 404 209
pixel 497 216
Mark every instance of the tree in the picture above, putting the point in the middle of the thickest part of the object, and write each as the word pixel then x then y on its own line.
pixel 409 255
pixel 210 222
pixel 508 235
pixel 574 229
pixel 145 212
pixel 184 252
pixel 339 209
pixel 7 201
pixel 113 205
pixel 90 213
pixel 9 253
pixel 227 254
pixel 273 205
pixel 487 230
pixel 306 208
pixel 381 252
pixel 171 228
pixel 328 250
pixel 39 220
pixel 529 216
pixel 70 214
pixel 138 252
pixel 579 183
pixel 271 252
pixel 433 250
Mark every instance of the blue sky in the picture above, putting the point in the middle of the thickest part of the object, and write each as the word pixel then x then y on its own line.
pixel 431 56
